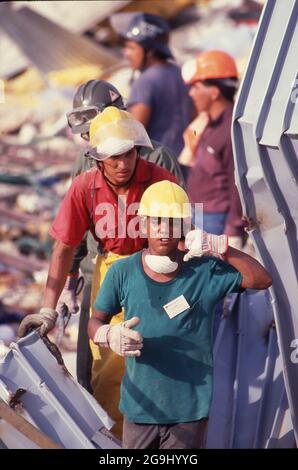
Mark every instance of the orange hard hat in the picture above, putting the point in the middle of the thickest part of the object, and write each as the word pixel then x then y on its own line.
pixel 209 65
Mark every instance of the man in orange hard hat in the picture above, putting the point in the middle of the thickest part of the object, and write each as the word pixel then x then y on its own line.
pixel 213 80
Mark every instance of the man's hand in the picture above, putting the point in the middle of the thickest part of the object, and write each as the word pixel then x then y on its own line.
pixel 191 137
pixel 44 320
pixel 201 243
pixel 195 129
pixel 69 295
pixel 120 338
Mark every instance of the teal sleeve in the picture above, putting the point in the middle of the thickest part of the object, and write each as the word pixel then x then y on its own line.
pixel 108 296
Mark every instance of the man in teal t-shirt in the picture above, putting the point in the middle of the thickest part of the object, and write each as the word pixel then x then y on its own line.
pixel 167 387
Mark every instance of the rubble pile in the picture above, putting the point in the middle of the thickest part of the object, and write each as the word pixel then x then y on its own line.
pixel 33 180
pixel 36 150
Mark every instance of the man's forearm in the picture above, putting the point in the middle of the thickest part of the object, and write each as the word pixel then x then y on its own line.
pixel 93 325
pixel 59 268
pixel 254 274
pixel 80 253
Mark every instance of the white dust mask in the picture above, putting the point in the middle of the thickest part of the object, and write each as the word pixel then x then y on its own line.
pixel 161 264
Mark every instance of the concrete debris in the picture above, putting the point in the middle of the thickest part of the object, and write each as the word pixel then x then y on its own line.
pixel 217 25
pixel 34 176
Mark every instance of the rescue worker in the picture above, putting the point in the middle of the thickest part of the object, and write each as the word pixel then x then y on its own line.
pixel 213 79
pixel 99 200
pixel 168 299
pixel 158 97
pixel 90 99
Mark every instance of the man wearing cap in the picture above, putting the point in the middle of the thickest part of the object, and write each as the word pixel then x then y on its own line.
pixel 213 78
pixel 158 97
pixel 102 200
pixel 168 299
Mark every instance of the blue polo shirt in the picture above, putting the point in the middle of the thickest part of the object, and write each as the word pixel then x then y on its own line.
pixel 161 87
pixel 171 381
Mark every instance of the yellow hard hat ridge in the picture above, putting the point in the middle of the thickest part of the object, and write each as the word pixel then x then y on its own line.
pixel 110 115
pixel 165 199
pixel 115 131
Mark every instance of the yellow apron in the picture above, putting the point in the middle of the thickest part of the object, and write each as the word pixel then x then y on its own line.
pixel 107 367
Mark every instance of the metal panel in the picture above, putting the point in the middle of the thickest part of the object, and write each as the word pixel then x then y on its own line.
pixel 77 16
pixel 253 322
pixel 265 151
pixel 10 437
pixel 225 356
pixel 59 406
pixel 248 381
pixel 48 45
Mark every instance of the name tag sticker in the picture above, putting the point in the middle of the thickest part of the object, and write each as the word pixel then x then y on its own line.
pixel 176 306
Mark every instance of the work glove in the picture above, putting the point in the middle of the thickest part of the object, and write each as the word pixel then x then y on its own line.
pixel 69 295
pixel 201 243
pixel 120 338
pixel 236 242
pixel 44 320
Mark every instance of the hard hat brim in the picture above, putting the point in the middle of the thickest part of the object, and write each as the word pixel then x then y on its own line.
pixel 112 147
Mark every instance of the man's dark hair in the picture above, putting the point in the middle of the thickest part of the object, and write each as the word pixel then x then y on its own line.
pixel 226 86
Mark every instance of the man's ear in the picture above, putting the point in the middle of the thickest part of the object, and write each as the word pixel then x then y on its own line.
pixel 150 54
pixel 99 165
pixel 215 93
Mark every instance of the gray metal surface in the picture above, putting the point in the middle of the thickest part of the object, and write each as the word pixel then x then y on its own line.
pixel 249 401
pixel 56 403
pixel 77 16
pixel 265 139
pixel 9 436
pixel 49 46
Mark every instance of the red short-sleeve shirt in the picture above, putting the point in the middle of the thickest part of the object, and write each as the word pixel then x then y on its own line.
pixel 90 204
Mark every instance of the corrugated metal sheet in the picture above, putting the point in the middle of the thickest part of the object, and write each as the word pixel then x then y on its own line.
pixel 76 16
pixel 265 135
pixel 12 60
pixel 249 394
pixel 56 403
pixel 48 44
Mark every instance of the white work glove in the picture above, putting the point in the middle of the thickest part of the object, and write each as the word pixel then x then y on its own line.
pixel 201 243
pixel 236 242
pixel 120 338
pixel 44 320
pixel 69 295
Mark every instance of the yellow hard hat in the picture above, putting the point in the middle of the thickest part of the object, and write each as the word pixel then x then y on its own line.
pixel 115 131
pixel 165 199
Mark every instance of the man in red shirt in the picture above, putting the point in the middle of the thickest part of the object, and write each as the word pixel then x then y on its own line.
pixel 105 201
